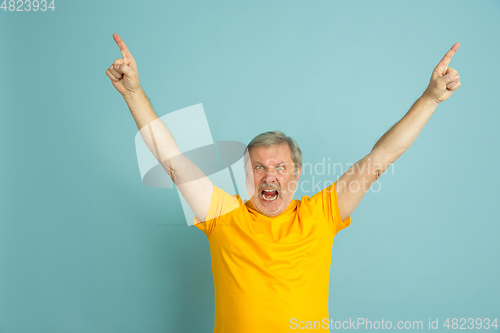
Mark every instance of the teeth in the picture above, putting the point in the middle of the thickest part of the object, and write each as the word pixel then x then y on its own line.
pixel 271 199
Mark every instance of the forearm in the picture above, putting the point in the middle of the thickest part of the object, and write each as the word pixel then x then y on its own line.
pixel 155 134
pixel 140 108
pixel 399 138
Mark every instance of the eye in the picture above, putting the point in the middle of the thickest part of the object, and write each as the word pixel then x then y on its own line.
pixel 258 167
pixel 280 168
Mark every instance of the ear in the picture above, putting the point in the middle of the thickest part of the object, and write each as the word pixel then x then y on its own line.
pixel 249 183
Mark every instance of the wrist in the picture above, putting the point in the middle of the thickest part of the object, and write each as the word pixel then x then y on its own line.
pixel 432 102
pixel 133 95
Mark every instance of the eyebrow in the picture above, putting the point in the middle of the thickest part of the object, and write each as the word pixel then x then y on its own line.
pixel 279 163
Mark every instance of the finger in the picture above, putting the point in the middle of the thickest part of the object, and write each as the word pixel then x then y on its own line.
pixel 129 72
pixel 453 85
pixel 115 73
pixel 451 70
pixel 123 48
pixel 111 76
pixel 443 64
pixel 453 75
pixel 447 79
pixel 117 63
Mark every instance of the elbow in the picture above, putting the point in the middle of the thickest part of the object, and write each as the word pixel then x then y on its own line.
pixel 379 163
pixel 171 171
pixel 167 166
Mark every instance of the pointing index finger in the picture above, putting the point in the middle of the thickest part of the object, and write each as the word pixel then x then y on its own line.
pixel 123 48
pixel 443 64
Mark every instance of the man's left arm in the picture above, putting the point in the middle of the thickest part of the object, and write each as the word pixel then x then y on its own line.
pixel 355 182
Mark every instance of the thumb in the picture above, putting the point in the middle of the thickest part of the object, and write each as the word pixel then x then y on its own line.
pixel 125 69
pixel 444 80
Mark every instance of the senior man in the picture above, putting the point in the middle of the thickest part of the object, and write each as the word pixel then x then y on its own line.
pixel 271 254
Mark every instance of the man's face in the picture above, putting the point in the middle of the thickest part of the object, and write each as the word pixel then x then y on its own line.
pixel 273 180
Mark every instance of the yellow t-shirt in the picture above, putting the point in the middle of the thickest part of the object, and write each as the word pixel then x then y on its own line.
pixel 269 270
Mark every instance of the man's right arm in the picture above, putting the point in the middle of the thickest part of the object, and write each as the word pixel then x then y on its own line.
pixel 193 184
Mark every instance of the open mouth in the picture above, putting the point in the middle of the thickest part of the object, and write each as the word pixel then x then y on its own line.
pixel 269 195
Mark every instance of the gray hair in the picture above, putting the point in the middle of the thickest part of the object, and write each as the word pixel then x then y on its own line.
pixel 275 138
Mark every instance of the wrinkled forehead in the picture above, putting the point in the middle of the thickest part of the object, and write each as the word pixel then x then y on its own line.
pixel 269 155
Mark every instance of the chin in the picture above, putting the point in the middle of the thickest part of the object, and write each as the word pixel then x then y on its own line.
pixel 273 208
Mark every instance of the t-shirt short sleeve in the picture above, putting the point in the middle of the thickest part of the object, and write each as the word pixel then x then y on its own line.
pixel 221 204
pixel 327 199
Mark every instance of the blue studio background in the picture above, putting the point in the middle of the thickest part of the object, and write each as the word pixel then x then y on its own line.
pixel 84 244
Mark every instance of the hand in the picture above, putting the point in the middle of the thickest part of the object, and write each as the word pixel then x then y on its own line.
pixel 123 73
pixel 444 80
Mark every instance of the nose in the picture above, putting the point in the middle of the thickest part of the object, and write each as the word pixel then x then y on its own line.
pixel 270 177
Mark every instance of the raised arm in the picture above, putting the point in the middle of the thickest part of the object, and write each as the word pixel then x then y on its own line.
pixel 355 182
pixel 194 186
